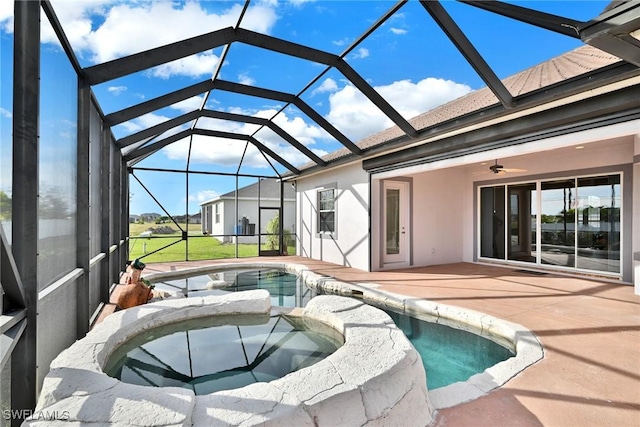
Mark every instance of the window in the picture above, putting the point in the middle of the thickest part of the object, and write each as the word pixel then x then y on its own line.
pixel 326 211
pixel 217 213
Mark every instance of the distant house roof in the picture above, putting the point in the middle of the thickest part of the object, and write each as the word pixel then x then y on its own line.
pixel 269 189
pixel 564 67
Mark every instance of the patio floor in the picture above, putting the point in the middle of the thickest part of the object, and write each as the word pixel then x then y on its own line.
pixel 590 330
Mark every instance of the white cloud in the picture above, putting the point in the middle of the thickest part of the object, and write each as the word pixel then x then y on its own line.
pixel 116 90
pixel 143 122
pixel 206 150
pixel 357 117
pixel 6 16
pixel 398 31
pixel 328 85
pixel 361 53
pixel 343 42
pixel 203 196
pixel 190 66
pixel 5 113
pixel 189 104
pixel 245 79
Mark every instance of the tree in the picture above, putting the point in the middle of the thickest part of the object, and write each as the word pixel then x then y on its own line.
pixel 5 206
pixel 273 231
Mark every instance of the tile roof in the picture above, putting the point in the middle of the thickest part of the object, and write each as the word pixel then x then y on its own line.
pixel 571 64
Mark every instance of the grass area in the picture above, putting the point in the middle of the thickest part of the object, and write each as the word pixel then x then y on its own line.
pixel 200 247
pixel 135 229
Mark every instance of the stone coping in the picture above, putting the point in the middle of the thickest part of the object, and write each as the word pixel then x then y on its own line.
pixel 375 378
pixel 527 348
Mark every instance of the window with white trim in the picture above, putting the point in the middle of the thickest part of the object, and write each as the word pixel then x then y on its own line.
pixel 217 213
pixel 326 211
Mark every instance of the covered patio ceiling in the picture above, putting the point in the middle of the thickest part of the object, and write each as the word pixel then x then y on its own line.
pixel 232 111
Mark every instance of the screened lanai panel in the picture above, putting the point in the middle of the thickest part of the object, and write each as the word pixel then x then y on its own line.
pixel 510 55
pixel 57 164
pixel 95 275
pixel 95 182
pixel 341 21
pixel 227 126
pixel 257 162
pixel 430 74
pixel 56 325
pixel 293 72
pixel 6 130
pixel 173 156
pixel 5 391
pixel 157 216
pixel 211 154
pixel 291 153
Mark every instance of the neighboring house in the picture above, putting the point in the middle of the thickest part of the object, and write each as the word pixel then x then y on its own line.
pixel 134 218
pixel 221 219
pixel 193 219
pixel 149 217
pixel 548 187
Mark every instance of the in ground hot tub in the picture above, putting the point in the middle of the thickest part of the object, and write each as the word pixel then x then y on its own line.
pixel 375 377
pixel 214 353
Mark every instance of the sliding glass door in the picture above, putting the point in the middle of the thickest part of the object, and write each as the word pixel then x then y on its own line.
pixel 598 223
pixel 557 223
pixel 569 223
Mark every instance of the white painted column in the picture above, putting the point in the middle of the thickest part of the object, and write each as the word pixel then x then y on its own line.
pixel 635 245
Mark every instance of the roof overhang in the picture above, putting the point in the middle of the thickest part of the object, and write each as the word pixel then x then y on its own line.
pixel 616 30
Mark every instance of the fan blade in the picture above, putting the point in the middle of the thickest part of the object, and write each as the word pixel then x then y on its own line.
pixel 513 170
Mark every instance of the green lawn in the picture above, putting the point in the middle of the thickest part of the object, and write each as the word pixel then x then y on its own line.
pixel 136 229
pixel 200 247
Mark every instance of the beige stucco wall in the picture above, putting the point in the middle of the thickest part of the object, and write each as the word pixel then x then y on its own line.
pixel 350 244
pixel 444 212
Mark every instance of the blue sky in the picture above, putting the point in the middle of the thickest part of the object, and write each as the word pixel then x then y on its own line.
pixel 408 60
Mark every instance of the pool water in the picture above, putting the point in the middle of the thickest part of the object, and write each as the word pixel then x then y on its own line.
pixel 286 289
pixel 222 352
pixel 449 355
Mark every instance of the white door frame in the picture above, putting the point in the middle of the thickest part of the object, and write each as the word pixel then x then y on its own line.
pixel 403 233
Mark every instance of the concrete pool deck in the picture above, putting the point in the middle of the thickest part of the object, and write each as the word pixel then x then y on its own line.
pixel 590 331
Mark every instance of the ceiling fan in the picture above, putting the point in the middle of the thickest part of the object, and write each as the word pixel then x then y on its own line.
pixel 499 169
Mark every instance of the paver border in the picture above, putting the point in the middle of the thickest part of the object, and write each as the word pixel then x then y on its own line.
pixel 375 377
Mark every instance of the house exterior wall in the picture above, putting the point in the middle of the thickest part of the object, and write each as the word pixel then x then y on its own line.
pixel 438 203
pixel 447 196
pixel 437 200
pixel 225 229
pixel 349 245
pixel 444 213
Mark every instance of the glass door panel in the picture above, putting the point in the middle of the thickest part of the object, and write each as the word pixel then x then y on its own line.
pixel 599 202
pixel 492 220
pixel 393 221
pixel 395 247
pixel 522 222
pixel 557 217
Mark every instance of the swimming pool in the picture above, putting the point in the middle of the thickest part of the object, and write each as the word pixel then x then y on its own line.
pixel 449 355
